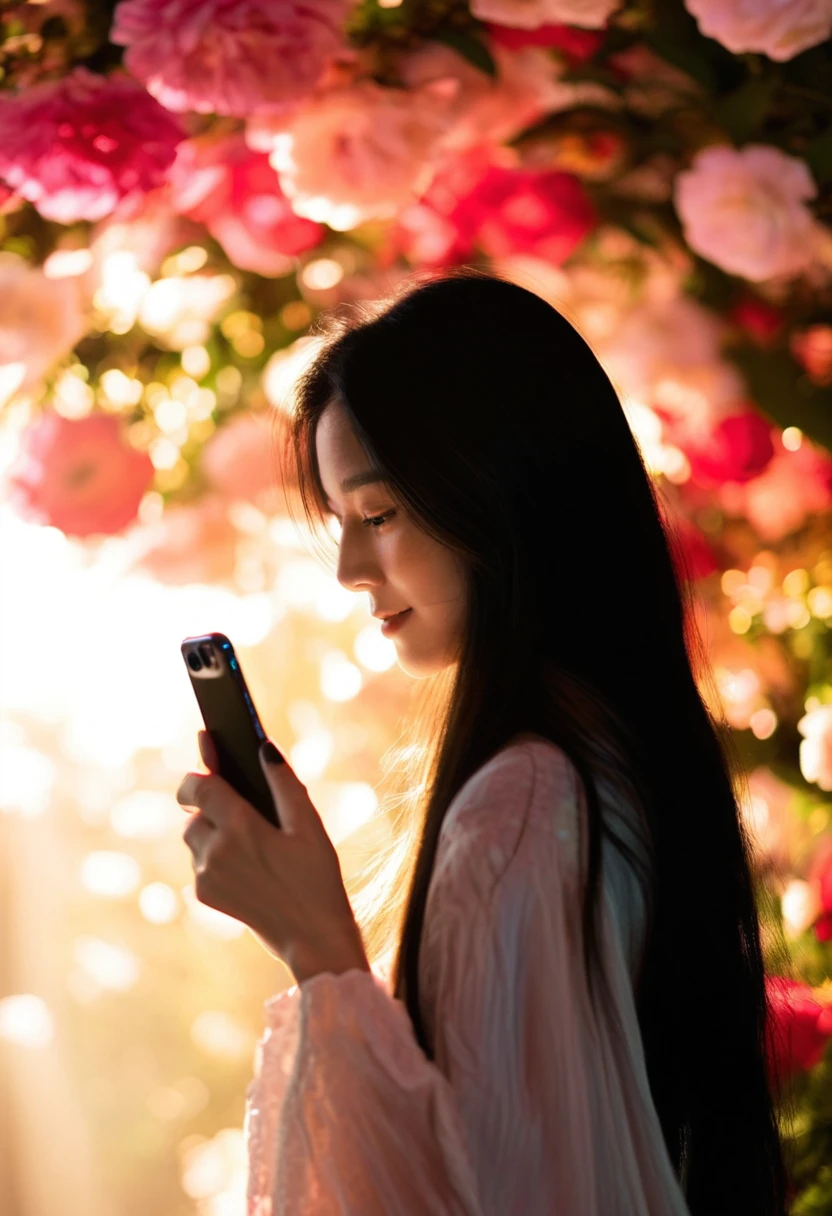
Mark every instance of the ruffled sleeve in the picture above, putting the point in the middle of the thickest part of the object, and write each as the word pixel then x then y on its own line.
pixel 531 1105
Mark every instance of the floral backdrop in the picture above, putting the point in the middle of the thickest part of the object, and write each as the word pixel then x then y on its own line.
pixel 184 187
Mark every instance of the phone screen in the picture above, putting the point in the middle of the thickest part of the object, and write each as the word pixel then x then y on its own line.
pixel 230 717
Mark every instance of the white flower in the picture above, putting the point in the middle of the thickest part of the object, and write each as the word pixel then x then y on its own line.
pixel 816 748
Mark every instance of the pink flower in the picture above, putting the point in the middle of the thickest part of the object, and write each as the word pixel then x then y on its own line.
pixel 529 14
pixel 478 199
pixel 236 194
pixel 362 151
pixel 76 146
pixel 191 543
pixel 745 210
pixel 485 110
pixel 78 475
pixel 738 448
pixel 577 45
pixel 778 30
pixel 796 1041
pixel 40 320
pixel 238 459
pixel 792 487
pixel 237 57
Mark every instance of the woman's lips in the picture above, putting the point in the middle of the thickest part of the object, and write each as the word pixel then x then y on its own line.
pixel 394 623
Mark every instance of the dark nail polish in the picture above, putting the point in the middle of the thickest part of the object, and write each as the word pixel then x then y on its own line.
pixel 271 753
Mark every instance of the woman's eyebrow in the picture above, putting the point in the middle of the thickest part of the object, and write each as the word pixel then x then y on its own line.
pixel 369 477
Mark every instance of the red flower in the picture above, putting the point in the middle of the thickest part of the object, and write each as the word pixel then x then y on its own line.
pixel 695 550
pixel 797 1035
pixel 577 45
pixel 236 194
pixel 820 872
pixel 545 213
pixel 78 475
pixel 761 321
pixel 737 449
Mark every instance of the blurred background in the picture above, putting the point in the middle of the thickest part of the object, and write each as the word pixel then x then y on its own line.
pixel 182 192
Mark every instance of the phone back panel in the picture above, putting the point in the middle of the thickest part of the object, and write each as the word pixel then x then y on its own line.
pixel 230 717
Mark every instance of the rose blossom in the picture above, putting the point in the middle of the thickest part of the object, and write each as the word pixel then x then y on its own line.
pixel 796 1035
pixel 778 30
pixel 745 211
pixel 236 194
pixel 361 152
pixel 235 57
pixel 78 475
pixel 738 448
pixel 76 146
pixel 529 14
pixel 545 213
pixel 40 320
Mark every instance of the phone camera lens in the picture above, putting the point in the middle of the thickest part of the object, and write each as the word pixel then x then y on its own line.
pixel 207 654
pixel 194 661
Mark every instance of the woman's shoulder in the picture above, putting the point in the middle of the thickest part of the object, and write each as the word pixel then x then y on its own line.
pixel 528 785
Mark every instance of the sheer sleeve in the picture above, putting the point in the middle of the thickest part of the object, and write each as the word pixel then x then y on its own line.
pixel 531 1105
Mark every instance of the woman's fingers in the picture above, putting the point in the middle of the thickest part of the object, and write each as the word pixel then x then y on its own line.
pixel 207 751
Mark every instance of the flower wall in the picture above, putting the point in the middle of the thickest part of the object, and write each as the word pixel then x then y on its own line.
pixel 184 187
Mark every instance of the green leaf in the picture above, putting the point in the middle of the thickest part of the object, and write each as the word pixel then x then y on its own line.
pixel 785 394
pixel 469 47
pixel 743 111
pixel 819 156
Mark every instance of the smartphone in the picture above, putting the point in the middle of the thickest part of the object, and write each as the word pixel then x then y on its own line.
pixel 230 717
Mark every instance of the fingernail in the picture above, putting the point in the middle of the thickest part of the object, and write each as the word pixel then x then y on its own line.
pixel 271 753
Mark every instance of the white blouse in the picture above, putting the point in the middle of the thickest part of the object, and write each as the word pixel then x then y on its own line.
pixel 535 1104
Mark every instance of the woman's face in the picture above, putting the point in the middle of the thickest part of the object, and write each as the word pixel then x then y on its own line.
pixel 383 552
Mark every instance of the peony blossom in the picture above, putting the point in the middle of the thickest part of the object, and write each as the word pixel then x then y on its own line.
pixel 238 459
pixel 771 27
pixel 792 487
pixel 529 14
pixel 236 194
pixel 40 320
pixel 235 57
pixel 485 110
pixel 816 748
pixel 78 475
pixel 76 146
pixel 745 210
pixel 361 152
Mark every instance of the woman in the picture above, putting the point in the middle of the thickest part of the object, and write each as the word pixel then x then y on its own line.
pixel 576 1019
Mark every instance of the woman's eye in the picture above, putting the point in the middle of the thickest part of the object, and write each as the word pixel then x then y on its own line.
pixel 378 521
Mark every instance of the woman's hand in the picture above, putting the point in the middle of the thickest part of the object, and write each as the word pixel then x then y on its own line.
pixel 286 883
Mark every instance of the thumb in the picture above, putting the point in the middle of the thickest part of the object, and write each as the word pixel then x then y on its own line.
pixel 289 793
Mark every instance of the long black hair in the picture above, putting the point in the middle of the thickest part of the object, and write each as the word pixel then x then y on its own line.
pixel 498 429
